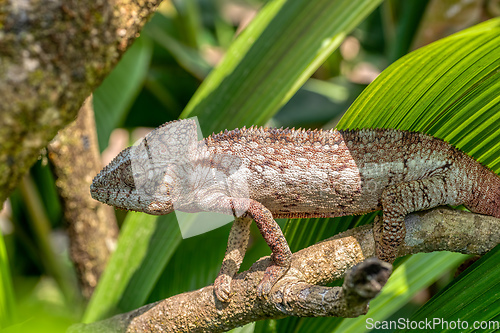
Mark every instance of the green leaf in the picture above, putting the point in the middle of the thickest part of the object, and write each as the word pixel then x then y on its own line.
pixel 6 289
pixel 145 245
pixel 456 302
pixel 272 59
pixel 416 273
pixel 403 35
pixel 113 98
pixel 188 58
pixel 301 233
pixel 196 264
pixel 323 100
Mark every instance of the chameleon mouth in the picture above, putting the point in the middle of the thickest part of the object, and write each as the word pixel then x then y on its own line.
pixel 99 194
pixel 110 197
pixel 96 189
pixel 93 188
pixel 97 184
pixel 104 194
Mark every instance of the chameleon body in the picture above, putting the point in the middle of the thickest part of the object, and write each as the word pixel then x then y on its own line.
pixel 298 173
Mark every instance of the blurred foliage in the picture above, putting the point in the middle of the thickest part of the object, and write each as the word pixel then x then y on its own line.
pixel 159 76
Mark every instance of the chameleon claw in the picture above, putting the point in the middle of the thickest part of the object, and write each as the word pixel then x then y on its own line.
pixel 222 287
pixel 272 274
pixel 263 290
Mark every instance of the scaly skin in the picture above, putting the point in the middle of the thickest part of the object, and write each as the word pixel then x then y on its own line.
pixel 287 173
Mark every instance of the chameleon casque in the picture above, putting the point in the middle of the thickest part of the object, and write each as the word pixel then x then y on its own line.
pixel 265 173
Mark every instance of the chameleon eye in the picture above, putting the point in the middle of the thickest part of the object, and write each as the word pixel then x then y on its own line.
pixel 128 179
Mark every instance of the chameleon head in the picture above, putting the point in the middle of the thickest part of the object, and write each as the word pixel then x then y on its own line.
pixel 132 182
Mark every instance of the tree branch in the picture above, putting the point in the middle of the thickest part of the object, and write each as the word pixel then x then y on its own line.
pixel 53 55
pixel 297 293
pixel 92 226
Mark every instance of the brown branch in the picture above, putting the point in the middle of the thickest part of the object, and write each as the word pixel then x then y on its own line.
pixel 53 55
pixel 92 227
pixel 297 293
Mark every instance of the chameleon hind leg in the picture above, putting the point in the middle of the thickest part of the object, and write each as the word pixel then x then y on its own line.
pixel 235 252
pixel 402 199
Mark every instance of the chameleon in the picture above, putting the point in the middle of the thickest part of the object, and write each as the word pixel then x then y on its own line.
pixel 261 174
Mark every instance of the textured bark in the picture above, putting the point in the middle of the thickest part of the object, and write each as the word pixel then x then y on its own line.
pixel 53 55
pixel 295 294
pixel 92 227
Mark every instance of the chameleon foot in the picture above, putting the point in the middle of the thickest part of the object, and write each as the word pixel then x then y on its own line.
pixel 222 287
pixel 272 274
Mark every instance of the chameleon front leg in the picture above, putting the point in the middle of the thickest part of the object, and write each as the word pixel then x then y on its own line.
pixel 281 254
pixel 270 230
pixel 402 199
pixel 235 252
